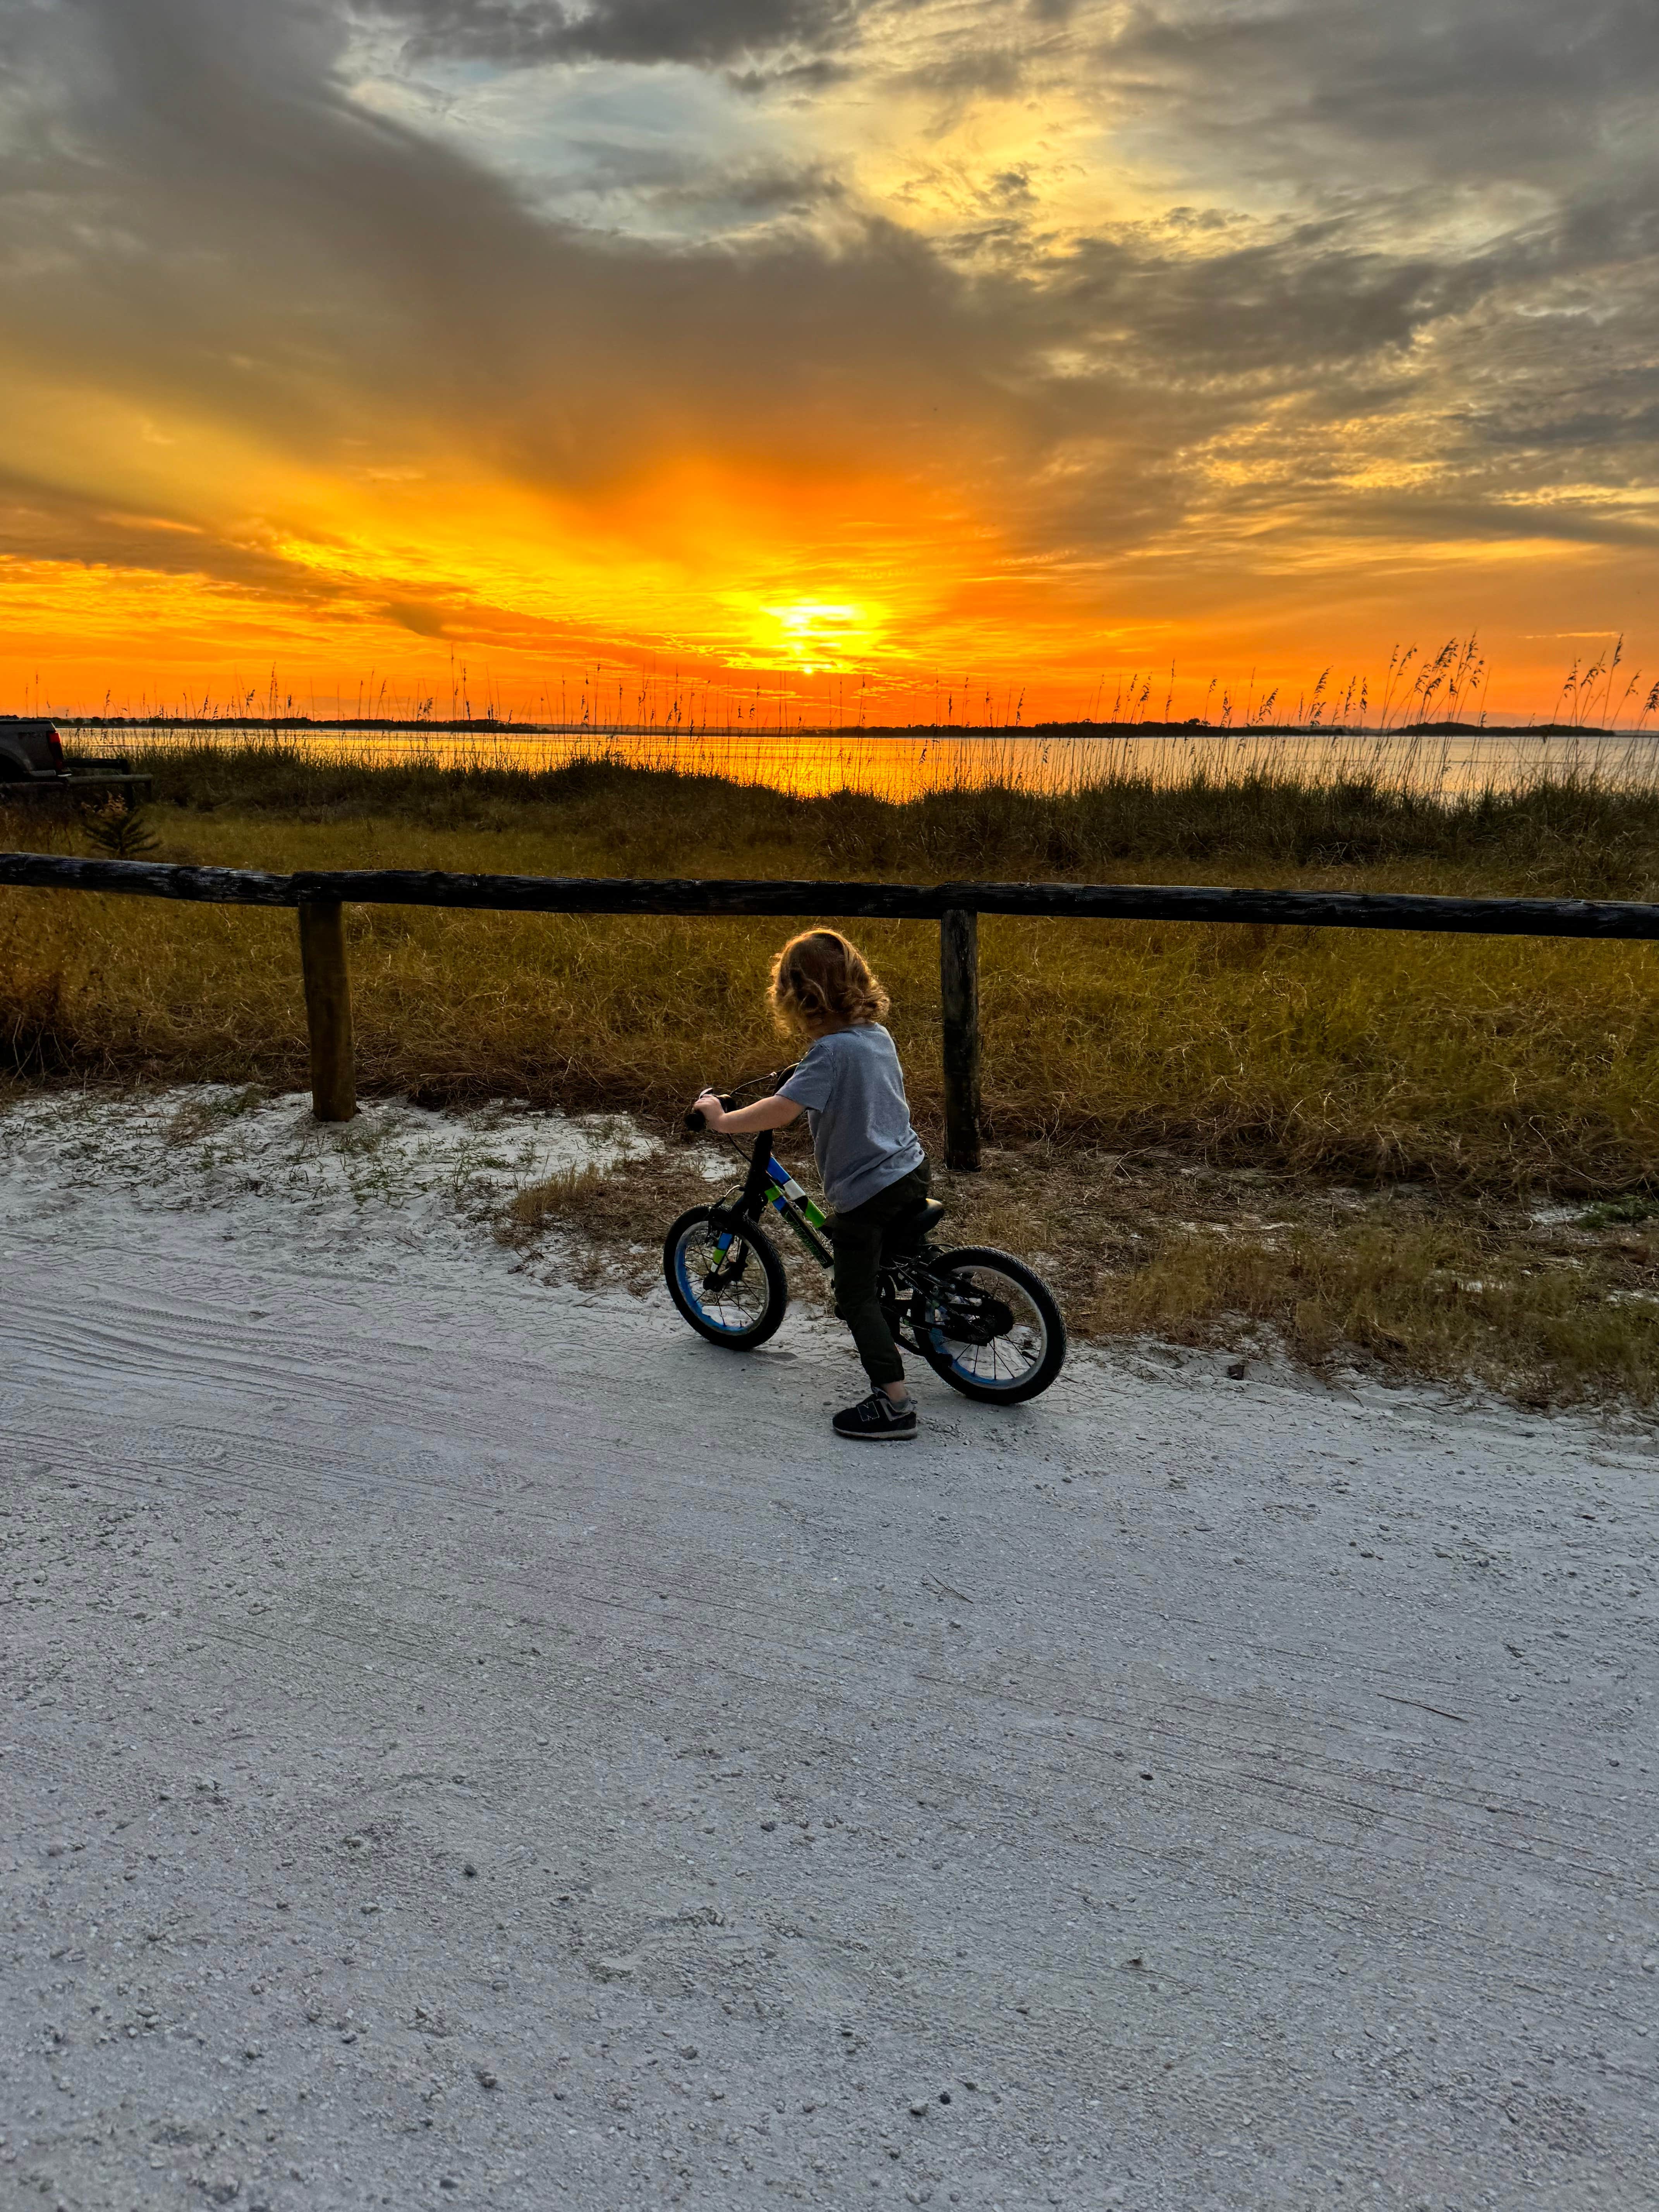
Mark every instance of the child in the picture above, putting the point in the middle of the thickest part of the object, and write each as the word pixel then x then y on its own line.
pixel 870 1159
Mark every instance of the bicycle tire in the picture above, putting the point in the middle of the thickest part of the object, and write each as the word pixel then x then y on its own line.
pixel 1038 1373
pixel 688 1284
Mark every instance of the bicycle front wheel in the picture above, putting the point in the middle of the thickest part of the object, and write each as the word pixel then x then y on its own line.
pixel 989 1326
pixel 727 1282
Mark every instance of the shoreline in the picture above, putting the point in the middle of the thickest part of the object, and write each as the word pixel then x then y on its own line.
pixel 1028 732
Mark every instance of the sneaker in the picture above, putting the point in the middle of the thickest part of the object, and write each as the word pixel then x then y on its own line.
pixel 875 1421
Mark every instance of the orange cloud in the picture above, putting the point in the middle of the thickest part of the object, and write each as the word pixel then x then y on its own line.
pixel 839 344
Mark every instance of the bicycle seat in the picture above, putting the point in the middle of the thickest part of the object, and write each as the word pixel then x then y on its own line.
pixel 914 1225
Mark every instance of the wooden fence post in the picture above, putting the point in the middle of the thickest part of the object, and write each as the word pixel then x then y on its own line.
pixel 958 967
pixel 328 1010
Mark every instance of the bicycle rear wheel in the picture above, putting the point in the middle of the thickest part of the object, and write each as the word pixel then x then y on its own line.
pixel 727 1282
pixel 993 1332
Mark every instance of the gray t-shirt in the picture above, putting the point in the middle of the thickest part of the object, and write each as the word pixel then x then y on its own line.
pixel 852 1089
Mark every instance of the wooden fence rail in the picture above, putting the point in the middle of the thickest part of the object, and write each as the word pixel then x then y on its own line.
pixel 320 895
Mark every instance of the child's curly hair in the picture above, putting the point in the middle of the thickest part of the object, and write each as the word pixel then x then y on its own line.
pixel 820 977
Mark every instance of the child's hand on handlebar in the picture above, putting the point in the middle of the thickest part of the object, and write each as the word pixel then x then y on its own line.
pixel 725 1117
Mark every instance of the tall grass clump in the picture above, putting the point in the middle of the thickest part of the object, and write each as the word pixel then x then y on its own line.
pixel 1429 761
pixel 1577 831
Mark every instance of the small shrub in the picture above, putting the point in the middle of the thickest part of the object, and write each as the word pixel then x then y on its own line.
pixel 573 1197
pixel 119 828
pixel 1620 1213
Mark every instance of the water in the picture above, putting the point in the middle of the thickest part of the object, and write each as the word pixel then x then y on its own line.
pixel 810 763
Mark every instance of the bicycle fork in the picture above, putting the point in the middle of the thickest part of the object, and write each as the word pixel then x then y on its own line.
pixel 768 1182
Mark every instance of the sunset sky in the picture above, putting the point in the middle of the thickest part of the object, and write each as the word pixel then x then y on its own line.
pixel 844 349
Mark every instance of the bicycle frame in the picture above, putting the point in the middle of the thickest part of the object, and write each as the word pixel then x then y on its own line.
pixel 768 1182
pixel 935 1301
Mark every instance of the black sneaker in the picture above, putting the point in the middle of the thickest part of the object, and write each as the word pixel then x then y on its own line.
pixel 876 1420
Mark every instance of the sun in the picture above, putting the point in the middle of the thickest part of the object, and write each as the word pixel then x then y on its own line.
pixel 816 634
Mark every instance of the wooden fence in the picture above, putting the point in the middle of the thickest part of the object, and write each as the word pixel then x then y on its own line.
pixel 321 896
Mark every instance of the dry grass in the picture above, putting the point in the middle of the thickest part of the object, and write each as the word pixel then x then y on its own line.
pixel 1400 1282
pixel 1481 1064
pixel 1545 1306
pixel 1282 809
pixel 610 1221
pixel 1463 1301
pixel 1476 1075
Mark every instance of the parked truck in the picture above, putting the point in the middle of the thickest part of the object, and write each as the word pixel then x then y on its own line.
pixel 32 763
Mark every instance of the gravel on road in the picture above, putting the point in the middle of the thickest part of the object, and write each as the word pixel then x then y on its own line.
pixel 468 1742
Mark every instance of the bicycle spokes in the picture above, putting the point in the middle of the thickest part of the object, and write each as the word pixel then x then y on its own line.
pixel 987 1325
pixel 714 1273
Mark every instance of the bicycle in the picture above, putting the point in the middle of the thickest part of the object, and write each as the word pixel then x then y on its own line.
pixel 982 1319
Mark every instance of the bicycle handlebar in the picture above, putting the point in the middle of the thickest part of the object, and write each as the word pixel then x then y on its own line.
pixel 694 1120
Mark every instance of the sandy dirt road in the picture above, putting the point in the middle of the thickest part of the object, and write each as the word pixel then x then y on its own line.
pixel 467 1744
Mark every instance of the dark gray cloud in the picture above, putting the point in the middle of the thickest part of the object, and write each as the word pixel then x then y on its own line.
pixel 994 70
pixel 1453 314
pixel 704 33
pixel 1286 307
pixel 1478 89
pixel 44 520
pixel 753 189
pixel 795 78
pixel 210 226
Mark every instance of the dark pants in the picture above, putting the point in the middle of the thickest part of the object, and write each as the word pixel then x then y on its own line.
pixel 856 1237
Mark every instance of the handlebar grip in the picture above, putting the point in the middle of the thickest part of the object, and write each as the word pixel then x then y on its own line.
pixel 694 1120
